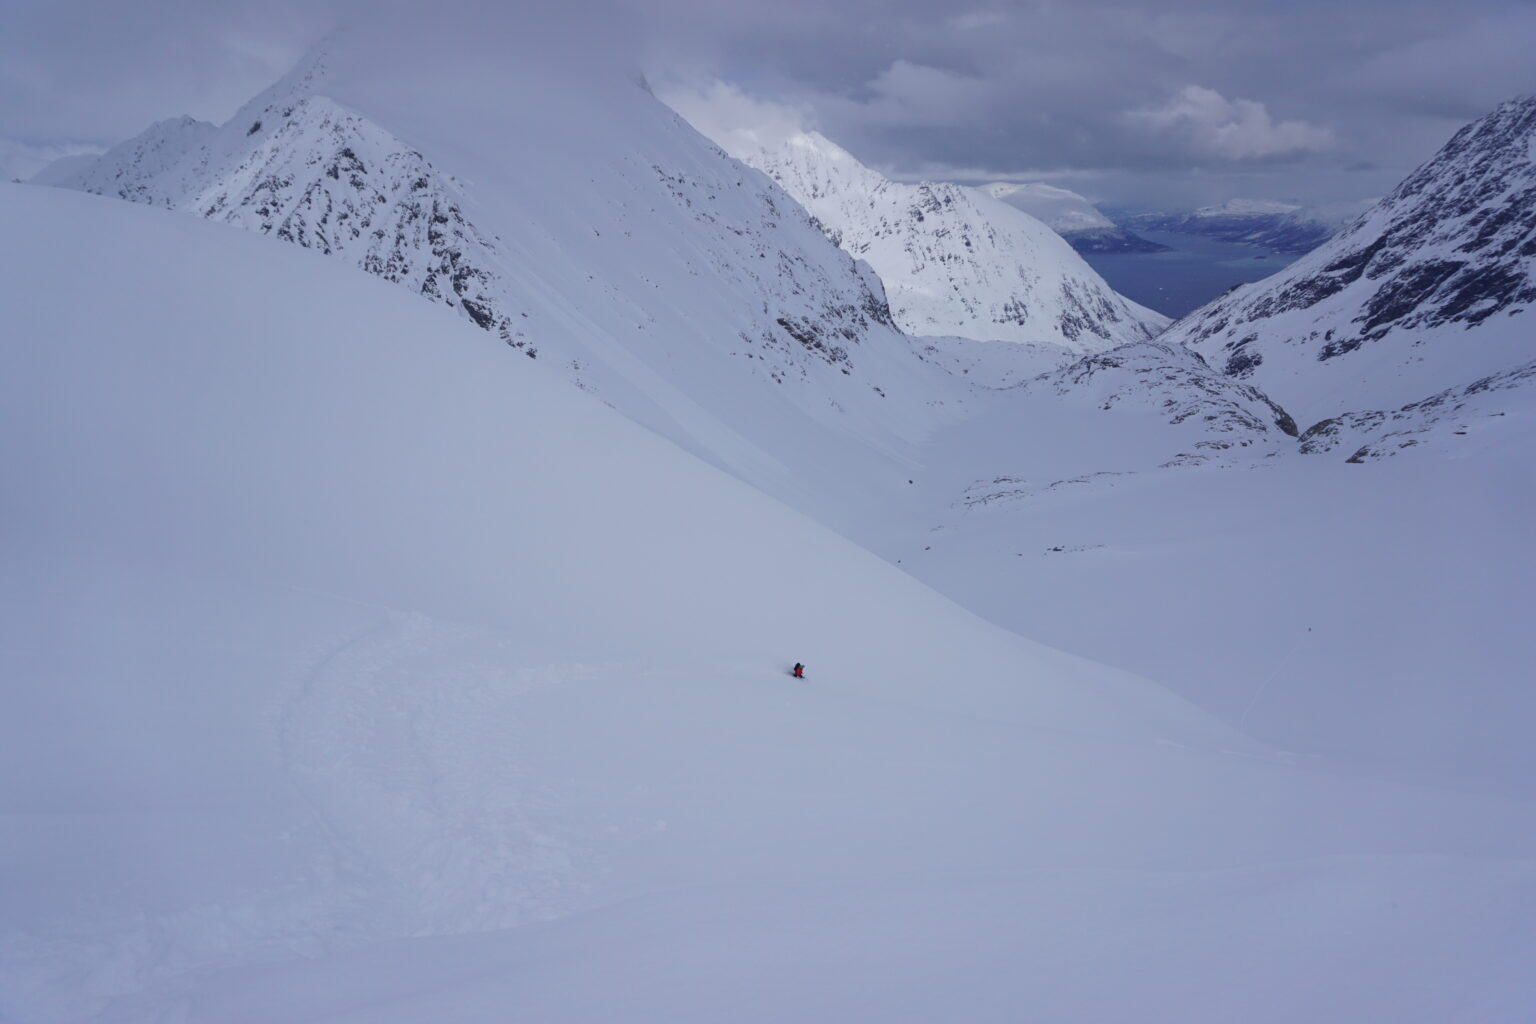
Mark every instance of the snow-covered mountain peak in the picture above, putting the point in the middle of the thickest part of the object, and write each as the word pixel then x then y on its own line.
pixel 818 166
pixel 133 169
pixel 825 150
pixel 1383 313
pixel 632 254
pixel 955 261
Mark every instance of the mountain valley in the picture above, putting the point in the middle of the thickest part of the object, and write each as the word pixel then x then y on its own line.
pixel 413 643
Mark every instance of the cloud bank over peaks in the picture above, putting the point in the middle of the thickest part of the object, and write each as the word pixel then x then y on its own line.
pixel 20 160
pixel 736 121
pixel 1209 125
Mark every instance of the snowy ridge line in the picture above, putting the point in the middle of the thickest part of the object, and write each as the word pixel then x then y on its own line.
pixel 955 261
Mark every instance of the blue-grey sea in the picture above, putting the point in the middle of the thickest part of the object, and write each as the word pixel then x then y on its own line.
pixel 1196 271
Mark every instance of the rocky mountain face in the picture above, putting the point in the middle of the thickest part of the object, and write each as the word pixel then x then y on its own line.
pixel 1072 217
pixel 298 166
pixel 631 255
pixel 1432 286
pixel 327 179
pixel 645 265
pixel 135 169
pixel 954 261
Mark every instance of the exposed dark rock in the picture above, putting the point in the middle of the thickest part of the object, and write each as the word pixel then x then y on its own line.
pixel 1453 244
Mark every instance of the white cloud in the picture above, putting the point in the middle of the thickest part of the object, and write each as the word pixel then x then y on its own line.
pixel 20 160
pixel 1499 47
pixel 735 121
pixel 1210 125
pixel 917 95
pixel 972 21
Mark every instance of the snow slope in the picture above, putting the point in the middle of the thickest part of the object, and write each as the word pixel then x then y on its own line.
pixel 1425 291
pixel 954 261
pixel 365 674
pixel 1436 422
pixel 1141 508
pixel 1071 216
pixel 575 218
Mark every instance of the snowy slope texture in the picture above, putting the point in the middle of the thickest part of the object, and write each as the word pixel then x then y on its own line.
pixel 643 263
pixel 1166 408
pixel 1501 405
pixel 373 675
pixel 1266 223
pixel 1177 382
pixel 1071 216
pixel 1425 290
pixel 955 262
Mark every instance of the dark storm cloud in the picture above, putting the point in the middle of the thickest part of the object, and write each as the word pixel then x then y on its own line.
pixel 1126 85
pixel 1249 92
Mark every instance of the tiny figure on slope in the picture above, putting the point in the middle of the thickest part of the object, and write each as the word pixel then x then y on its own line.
pixel 799 671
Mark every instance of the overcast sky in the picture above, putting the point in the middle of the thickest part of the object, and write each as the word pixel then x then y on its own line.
pixel 1143 103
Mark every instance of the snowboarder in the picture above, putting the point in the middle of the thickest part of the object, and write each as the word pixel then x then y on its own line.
pixel 799 671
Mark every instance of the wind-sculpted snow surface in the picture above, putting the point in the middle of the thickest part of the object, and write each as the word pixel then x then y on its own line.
pixel 1426 288
pixel 954 261
pixel 368 673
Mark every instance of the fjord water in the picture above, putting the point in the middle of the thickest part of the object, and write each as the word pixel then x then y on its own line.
pixel 1194 271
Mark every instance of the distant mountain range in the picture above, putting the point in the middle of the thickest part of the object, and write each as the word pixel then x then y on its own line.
pixel 1282 227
